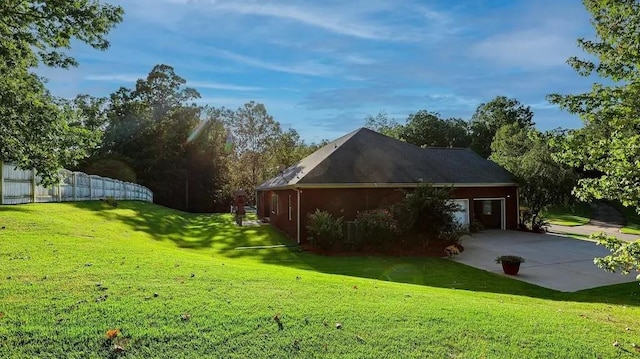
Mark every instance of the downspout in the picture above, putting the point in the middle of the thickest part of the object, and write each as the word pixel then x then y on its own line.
pixel 298 216
pixel 518 207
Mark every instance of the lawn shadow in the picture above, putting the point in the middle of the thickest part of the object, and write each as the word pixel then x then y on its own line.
pixel 434 272
pixel 219 233
pixel 186 230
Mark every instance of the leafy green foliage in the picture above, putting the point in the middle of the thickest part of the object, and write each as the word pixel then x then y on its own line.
pixel 510 259
pixel 381 123
pixel 36 130
pixel 154 135
pixel 260 147
pixel 491 116
pixel 428 129
pixel 609 142
pixel 325 231
pixel 376 227
pixel 543 182
pixel 428 213
pixel 624 257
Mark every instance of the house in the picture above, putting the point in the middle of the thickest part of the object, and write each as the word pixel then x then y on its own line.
pixel 367 170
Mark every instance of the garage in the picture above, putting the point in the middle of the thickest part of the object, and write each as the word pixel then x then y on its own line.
pixel 462 215
pixel 489 212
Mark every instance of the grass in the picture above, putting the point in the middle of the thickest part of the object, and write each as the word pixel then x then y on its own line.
pixel 576 215
pixel 632 218
pixel 175 286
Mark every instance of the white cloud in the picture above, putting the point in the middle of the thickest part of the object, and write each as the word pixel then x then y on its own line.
pixel 305 68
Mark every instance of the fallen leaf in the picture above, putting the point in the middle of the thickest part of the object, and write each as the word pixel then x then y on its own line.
pixel 112 333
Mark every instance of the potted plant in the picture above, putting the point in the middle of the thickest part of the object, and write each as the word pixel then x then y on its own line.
pixel 510 263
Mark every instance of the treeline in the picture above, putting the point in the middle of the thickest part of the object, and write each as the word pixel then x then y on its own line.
pixel 192 157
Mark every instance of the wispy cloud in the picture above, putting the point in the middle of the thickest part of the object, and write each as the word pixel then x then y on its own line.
pixel 115 77
pixel 306 68
pixel 317 17
pixel 130 78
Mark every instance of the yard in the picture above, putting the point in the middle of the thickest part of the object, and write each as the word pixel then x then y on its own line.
pixel 174 285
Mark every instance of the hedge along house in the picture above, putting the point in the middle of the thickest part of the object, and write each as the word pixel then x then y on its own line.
pixel 366 170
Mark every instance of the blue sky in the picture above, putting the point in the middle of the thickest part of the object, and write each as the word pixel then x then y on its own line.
pixel 321 67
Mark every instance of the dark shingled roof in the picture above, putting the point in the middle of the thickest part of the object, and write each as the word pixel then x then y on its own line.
pixel 367 158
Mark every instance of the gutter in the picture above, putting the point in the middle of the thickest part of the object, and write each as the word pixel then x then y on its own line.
pixel 386 185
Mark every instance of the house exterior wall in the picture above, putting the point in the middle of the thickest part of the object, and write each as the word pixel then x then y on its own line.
pixel 347 202
pixel 282 209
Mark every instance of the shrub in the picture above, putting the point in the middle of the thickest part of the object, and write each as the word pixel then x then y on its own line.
pixel 533 223
pixel 375 227
pixel 429 214
pixel 324 230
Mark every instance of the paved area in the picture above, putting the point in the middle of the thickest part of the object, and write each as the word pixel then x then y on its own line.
pixel 605 218
pixel 588 229
pixel 551 260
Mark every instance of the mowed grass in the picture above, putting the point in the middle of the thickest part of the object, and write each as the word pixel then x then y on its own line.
pixel 632 218
pixel 176 287
pixel 577 214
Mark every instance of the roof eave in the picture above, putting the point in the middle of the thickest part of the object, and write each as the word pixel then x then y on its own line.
pixel 384 185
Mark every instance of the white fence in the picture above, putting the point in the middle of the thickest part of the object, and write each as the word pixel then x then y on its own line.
pixel 23 186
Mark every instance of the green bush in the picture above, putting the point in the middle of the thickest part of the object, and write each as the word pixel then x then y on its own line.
pixel 324 230
pixel 428 213
pixel 375 227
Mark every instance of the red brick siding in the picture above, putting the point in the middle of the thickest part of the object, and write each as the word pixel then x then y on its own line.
pixel 347 202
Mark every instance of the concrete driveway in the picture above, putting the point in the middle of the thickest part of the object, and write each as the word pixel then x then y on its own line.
pixel 551 260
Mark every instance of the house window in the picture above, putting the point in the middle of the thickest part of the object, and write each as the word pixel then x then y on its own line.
pixel 289 207
pixel 486 208
pixel 274 203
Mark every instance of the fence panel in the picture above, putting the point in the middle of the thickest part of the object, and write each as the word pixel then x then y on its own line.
pixel 23 186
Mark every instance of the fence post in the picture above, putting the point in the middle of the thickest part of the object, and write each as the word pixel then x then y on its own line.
pixel 1 182
pixel 33 186
pixel 73 186
pixel 59 188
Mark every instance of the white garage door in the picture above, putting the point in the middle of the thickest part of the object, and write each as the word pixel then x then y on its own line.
pixel 462 216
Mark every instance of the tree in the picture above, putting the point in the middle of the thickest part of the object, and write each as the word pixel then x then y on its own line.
pixel 427 129
pixel 254 133
pixel 543 181
pixel 609 141
pixel 154 133
pixel 34 126
pixel 381 123
pixel 491 116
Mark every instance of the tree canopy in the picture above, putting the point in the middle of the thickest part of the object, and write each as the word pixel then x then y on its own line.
pixel 491 116
pixel 609 141
pixel 35 127
pixel 542 181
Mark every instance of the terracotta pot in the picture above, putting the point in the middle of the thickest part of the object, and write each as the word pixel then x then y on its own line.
pixel 510 268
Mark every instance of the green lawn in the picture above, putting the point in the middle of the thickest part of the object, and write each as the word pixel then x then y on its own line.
pixel 577 214
pixel 632 218
pixel 175 286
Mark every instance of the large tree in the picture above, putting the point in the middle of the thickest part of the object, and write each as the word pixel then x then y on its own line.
pixel 428 129
pixel 542 181
pixel 254 134
pixel 609 141
pixel 491 116
pixel 155 135
pixel 35 129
